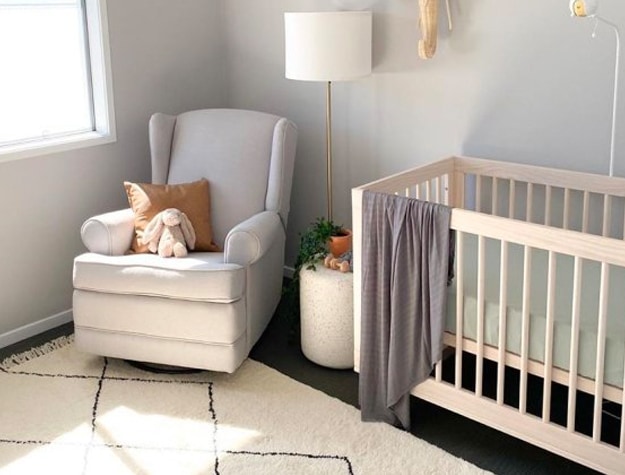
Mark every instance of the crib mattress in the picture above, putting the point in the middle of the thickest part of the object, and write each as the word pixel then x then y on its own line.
pixel 589 308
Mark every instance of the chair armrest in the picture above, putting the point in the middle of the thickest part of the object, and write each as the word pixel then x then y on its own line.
pixel 109 233
pixel 248 241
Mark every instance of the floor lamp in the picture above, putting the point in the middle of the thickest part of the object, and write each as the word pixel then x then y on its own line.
pixel 328 46
pixel 588 8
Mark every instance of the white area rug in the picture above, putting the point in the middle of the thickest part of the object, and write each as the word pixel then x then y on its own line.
pixel 66 412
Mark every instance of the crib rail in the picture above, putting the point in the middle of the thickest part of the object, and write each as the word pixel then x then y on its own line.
pixel 562 241
pixel 607 252
pixel 556 212
pixel 584 202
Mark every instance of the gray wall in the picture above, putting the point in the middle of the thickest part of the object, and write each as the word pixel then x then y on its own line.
pixel 166 56
pixel 516 81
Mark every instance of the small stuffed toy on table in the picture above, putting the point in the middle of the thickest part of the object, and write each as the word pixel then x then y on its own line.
pixel 342 263
pixel 169 233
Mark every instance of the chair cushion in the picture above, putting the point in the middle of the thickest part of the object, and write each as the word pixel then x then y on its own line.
pixel 204 323
pixel 193 199
pixel 202 276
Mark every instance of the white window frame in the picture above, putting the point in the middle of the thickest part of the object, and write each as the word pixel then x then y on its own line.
pixel 102 91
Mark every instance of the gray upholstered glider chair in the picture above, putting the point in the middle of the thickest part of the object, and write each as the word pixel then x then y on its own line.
pixel 208 309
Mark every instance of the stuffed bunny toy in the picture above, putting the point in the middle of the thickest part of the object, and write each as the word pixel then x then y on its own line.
pixel 170 233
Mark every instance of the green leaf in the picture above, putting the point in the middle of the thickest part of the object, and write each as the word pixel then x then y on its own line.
pixel 313 247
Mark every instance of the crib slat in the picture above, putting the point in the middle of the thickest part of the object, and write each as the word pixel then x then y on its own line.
pixel 622 441
pixel 458 190
pixel 459 305
pixel 442 183
pixel 446 183
pixel 551 294
pixel 565 209
pixel 495 197
pixel 428 191
pixel 624 223
pixel 607 215
pixel 525 327
pixel 438 371
pixel 577 284
pixel 437 188
pixel 511 199
pixel 548 205
pixel 407 193
pixel 530 200
pixel 478 193
pixel 479 360
pixel 585 211
pixel 417 190
pixel 601 331
pixel 503 303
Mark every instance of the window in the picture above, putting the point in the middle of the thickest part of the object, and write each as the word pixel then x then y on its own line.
pixel 55 90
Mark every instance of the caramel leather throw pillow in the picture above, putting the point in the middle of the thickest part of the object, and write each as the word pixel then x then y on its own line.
pixel 193 199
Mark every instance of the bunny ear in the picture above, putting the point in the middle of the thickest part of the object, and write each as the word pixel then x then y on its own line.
pixel 187 230
pixel 153 230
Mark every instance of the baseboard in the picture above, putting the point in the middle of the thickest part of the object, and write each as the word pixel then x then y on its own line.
pixel 35 328
pixel 288 271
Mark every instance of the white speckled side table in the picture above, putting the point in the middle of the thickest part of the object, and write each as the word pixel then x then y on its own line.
pixel 327 316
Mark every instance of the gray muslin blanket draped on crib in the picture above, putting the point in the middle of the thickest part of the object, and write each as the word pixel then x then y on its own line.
pixel 405 266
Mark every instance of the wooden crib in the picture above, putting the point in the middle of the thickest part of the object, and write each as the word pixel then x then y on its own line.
pixel 537 306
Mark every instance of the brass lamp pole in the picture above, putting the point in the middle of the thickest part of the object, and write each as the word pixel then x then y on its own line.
pixel 327 46
pixel 329 146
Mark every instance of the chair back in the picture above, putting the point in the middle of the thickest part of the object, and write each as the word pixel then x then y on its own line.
pixel 246 156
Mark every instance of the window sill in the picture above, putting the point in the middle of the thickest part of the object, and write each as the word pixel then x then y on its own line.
pixel 55 145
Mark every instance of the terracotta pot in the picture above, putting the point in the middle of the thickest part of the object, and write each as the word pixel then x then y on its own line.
pixel 339 245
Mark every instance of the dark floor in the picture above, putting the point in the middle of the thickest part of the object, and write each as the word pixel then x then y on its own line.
pixel 480 445
pixel 485 447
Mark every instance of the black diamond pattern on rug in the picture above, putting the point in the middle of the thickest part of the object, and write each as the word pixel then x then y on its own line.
pixel 142 439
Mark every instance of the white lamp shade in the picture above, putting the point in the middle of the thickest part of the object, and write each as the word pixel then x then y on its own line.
pixel 327 46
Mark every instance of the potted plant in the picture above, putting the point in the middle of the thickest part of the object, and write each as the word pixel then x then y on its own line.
pixel 321 237
pixel 340 242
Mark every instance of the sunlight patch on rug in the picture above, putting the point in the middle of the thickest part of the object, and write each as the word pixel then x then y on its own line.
pixel 61 409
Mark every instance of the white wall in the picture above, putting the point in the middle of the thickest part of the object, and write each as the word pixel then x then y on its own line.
pixel 516 81
pixel 166 56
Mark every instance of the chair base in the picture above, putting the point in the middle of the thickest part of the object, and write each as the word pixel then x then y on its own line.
pixel 161 368
pixel 157 350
